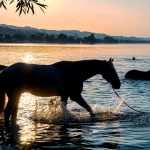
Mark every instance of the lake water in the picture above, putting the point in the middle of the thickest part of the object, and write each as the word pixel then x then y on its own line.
pixel 44 124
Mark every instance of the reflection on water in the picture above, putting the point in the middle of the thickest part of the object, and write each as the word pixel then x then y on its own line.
pixel 28 58
pixel 44 123
pixel 63 136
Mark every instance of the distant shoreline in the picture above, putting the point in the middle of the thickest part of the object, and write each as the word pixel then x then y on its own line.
pixel 69 43
pixel 14 34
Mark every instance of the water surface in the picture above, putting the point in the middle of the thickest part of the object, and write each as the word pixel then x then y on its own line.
pixel 43 122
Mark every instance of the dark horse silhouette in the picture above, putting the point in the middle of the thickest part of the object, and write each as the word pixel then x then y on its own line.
pixel 63 79
pixel 138 75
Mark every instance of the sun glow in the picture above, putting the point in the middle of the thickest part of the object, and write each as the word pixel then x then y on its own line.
pixel 27 58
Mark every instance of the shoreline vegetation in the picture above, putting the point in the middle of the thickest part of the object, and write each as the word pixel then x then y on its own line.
pixel 13 34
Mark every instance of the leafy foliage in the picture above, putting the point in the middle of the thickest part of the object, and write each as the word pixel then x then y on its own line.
pixel 50 38
pixel 24 6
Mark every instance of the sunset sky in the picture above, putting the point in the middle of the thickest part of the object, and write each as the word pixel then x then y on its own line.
pixel 114 17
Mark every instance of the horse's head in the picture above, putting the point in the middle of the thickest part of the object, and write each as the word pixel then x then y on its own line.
pixel 110 74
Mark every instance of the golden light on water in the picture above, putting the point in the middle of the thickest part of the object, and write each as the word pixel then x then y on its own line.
pixel 32 107
pixel 28 134
pixel 25 112
pixel 27 58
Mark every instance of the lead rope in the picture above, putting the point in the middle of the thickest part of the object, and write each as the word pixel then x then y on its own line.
pixel 126 103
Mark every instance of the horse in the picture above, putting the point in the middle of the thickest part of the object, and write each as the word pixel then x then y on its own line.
pixel 138 75
pixel 64 79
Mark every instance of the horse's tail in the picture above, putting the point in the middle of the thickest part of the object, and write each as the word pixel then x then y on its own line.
pixel 2 67
pixel 2 100
pixel 2 92
pixel 2 96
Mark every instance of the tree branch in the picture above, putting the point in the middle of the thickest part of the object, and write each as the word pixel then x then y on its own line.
pixel 24 6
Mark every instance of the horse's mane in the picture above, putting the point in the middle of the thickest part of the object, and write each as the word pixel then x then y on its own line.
pixel 93 62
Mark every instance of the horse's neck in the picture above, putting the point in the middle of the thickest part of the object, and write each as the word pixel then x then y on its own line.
pixel 91 68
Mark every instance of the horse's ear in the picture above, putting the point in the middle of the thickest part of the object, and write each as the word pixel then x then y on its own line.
pixel 111 60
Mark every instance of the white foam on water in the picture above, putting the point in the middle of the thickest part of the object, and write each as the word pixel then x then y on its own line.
pixel 117 109
pixel 52 112
pixel 55 112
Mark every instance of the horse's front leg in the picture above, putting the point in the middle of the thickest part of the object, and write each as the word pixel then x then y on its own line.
pixel 79 99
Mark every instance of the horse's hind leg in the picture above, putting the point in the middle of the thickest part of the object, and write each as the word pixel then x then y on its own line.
pixel 8 110
pixel 12 107
pixel 15 109
pixel 79 99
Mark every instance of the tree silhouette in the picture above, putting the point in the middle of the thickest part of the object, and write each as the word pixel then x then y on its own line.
pixel 90 39
pixel 24 6
pixel 109 39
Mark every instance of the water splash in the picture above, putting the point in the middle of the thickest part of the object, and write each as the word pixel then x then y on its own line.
pixel 116 110
pixel 55 112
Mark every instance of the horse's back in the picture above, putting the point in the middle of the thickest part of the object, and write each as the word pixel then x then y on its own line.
pixel 31 77
pixel 17 69
pixel 31 71
pixel 14 75
pixel 137 74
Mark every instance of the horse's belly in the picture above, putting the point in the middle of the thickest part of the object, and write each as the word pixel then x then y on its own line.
pixel 43 92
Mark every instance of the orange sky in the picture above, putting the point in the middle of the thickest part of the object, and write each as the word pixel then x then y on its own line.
pixel 114 17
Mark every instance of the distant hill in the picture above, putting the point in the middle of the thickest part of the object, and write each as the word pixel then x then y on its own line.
pixel 9 33
pixel 14 29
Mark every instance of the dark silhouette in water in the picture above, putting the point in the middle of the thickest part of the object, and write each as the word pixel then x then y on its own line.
pixel 138 75
pixel 63 79
pixel 134 58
